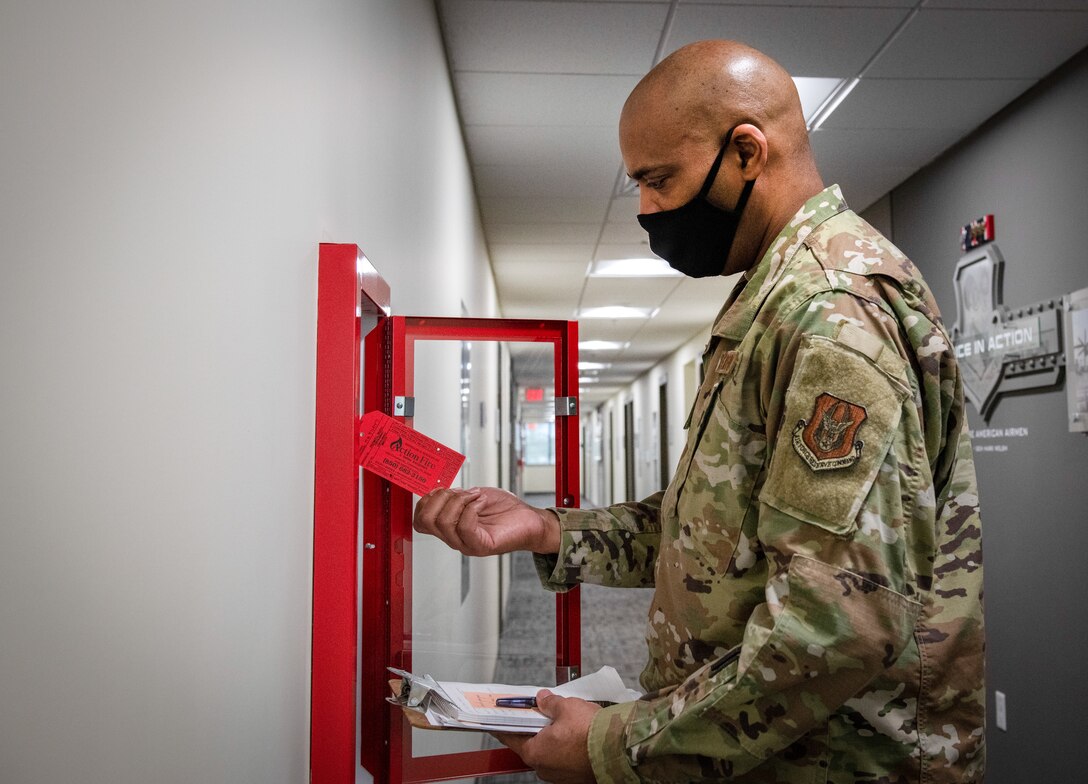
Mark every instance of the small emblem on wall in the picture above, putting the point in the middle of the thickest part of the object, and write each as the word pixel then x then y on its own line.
pixel 977 232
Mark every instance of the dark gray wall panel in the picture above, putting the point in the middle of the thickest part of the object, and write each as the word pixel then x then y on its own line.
pixel 1029 167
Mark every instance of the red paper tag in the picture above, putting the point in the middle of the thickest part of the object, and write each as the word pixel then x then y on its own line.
pixel 404 456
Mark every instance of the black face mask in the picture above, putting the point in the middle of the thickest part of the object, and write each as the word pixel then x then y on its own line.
pixel 695 238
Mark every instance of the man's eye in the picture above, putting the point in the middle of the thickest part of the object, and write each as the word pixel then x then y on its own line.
pixel 655 185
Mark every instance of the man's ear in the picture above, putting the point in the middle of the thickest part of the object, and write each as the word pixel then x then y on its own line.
pixel 750 146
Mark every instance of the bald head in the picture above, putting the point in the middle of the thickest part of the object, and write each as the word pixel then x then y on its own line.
pixel 701 90
pixel 676 120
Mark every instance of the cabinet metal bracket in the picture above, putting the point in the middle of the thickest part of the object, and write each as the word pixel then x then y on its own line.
pixel 566 406
pixel 404 406
pixel 566 674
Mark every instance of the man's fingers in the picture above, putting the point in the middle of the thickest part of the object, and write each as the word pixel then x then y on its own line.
pixel 468 528
pixel 450 518
pixel 438 513
pixel 427 509
pixel 513 740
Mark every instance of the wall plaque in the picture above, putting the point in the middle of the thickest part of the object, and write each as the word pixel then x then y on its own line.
pixel 1001 349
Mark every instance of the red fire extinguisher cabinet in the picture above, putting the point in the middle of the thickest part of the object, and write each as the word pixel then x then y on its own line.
pixel 364 363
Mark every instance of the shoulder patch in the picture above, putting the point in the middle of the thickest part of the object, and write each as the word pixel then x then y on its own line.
pixel 828 438
pixel 841 415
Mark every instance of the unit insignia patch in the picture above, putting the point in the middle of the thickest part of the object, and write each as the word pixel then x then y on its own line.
pixel 828 439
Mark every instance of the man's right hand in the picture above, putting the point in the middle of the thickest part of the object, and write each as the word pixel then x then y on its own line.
pixel 486 521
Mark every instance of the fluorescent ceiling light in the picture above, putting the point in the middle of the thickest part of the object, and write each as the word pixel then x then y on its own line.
pixel 831 104
pixel 586 380
pixel 600 345
pixel 814 91
pixel 593 365
pixel 617 312
pixel 632 268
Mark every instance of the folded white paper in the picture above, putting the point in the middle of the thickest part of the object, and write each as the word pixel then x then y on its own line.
pixel 472 705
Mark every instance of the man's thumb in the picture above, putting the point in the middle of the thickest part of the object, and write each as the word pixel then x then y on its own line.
pixel 547 703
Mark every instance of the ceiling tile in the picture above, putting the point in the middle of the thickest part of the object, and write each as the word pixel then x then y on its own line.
pixel 630 292
pixel 626 250
pixel 983 44
pixel 695 303
pixel 863 186
pixel 543 233
pixel 554 181
pixel 839 151
pixel 624 210
pixel 561 146
pixel 572 254
pixel 820 3
pixel 541 99
pixel 534 309
pixel 627 232
pixel 620 330
pixel 586 38
pixel 551 210
pixel 1034 5
pixel 828 41
pixel 924 103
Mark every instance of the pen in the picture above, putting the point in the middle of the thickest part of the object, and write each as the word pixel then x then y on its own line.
pixel 515 702
pixel 530 702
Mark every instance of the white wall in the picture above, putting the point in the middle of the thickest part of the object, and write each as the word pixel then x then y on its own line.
pixel 166 173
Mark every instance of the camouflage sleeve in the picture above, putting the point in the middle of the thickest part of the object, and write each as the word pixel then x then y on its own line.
pixel 616 547
pixel 840 536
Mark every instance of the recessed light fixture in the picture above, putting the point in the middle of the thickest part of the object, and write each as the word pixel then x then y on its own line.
pixel 814 92
pixel 593 365
pixel 617 312
pixel 601 345
pixel 632 268
pixel 831 103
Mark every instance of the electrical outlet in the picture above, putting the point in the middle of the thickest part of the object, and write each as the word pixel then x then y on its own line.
pixel 1000 711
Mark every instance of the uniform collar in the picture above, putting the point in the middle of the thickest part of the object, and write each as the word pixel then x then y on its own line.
pixel 735 319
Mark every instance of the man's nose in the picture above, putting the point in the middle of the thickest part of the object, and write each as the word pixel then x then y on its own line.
pixel 648 202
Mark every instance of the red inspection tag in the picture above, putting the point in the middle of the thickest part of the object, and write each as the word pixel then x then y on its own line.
pixel 405 457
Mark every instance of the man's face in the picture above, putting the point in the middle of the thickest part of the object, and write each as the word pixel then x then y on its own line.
pixel 668 164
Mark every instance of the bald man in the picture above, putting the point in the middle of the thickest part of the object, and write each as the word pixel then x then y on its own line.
pixel 817 613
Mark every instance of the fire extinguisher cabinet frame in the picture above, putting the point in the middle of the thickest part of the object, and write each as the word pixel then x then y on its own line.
pixel 364 363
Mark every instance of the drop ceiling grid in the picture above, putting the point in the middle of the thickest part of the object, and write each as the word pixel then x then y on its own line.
pixel 540 84
pixel 983 44
pixel 515 36
pixel 826 41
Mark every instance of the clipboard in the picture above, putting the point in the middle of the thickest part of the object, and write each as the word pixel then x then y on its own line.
pixel 418 719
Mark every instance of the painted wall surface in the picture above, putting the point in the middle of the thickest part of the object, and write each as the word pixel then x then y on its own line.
pixel 1027 166
pixel 168 170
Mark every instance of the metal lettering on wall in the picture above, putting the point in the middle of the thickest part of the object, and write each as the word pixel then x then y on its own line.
pixel 1001 349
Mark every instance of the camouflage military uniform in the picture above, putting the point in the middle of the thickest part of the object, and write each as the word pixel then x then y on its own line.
pixel 817 556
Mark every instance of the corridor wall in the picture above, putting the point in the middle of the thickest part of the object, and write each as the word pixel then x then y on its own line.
pixel 168 170
pixel 1027 166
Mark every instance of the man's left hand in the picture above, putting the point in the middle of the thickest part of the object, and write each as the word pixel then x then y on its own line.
pixel 559 753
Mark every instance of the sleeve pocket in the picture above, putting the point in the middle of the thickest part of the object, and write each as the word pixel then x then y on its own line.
pixel 842 412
